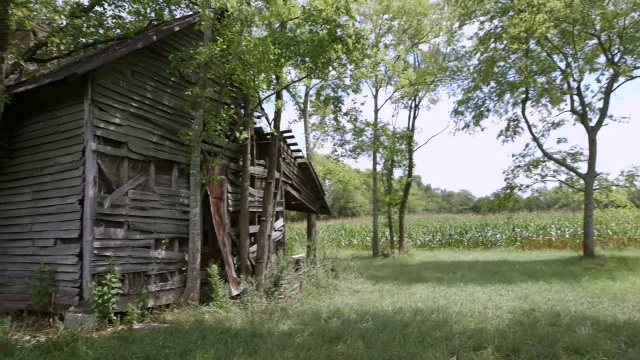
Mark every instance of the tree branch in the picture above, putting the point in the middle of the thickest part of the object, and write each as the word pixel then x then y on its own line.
pixel 538 142
pixel 431 138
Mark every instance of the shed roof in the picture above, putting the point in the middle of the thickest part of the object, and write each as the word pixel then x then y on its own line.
pixel 106 55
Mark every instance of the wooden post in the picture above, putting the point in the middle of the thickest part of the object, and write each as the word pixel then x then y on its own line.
pixel 88 208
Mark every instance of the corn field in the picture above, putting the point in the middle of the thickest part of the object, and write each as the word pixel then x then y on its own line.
pixel 552 230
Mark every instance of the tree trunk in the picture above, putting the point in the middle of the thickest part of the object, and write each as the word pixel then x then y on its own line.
pixel 375 241
pixel 266 217
pixel 408 182
pixel 312 244
pixel 4 46
pixel 191 293
pixel 392 241
pixel 243 224
pixel 588 231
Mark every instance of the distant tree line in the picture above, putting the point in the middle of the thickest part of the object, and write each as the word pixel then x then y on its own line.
pixel 348 192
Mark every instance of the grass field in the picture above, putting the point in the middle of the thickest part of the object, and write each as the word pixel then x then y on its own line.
pixel 427 305
pixel 552 230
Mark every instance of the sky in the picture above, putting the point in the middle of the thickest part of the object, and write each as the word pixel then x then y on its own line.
pixel 476 162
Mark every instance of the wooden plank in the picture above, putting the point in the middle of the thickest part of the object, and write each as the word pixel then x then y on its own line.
pixel 179 282
pixel 44 218
pixel 168 191
pixel 20 274
pixel 149 268
pixel 119 192
pixel 90 181
pixel 149 196
pixel 40 211
pixel 123 243
pixel 41 195
pixel 27 243
pixel 35 265
pixel 41 171
pixel 122 118
pixel 114 233
pixel 116 152
pixel 182 229
pixel 50 250
pixel 140 253
pixel 152 213
pixel 55 259
pixel 21 228
pixel 37 180
pixel 64 183
pixel 56 234
pixel 49 142
pixel 43 163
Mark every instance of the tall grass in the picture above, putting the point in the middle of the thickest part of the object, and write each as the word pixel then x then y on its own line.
pixel 550 230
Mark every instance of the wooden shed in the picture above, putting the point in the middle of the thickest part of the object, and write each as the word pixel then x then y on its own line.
pixel 94 172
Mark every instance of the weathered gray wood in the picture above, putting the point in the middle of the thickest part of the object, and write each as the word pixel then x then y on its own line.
pixel 27 243
pixel 58 234
pixel 177 283
pixel 119 192
pixel 45 218
pixel 123 243
pixel 54 259
pixel 51 250
pixel 182 229
pixel 90 189
pixel 75 156
pixel 167 191
pixel 140 253
pixel 39 195
pixel 150 213
pixel 22 228
pixel 24 274
pixel 65 183
pixel 170 199
pixel 35 265
pixel 40 211
pixel 149 268
pixel 112 233
pixel 40 171
pixel 116 152
pixel 37 180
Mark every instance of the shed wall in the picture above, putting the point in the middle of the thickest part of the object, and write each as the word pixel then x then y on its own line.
pixel 41 176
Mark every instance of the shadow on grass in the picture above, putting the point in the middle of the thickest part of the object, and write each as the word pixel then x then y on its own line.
pixel 490 272
pixel 410 333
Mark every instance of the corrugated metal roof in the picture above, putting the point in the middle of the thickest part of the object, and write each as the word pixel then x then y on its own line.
pixel 106 55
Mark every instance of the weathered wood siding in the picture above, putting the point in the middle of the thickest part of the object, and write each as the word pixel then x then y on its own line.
pixel 142 205
pixel 41 175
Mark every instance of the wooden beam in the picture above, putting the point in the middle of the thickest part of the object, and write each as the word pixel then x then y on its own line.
pixel 88 209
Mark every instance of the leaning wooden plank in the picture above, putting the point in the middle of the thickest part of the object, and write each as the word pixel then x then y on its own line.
pixel 140 253
pixel 58 234
pixel 56 259
pixel 118 193
pixel 217 200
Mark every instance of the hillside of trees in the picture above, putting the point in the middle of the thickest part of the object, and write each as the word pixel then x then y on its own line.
pixel 349 195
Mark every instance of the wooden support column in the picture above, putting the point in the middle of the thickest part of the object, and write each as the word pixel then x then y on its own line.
pixel 89 203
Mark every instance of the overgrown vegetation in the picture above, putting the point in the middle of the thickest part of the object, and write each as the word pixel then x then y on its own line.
pixel 43 289
pixel 550 230
pixel 105 292
pixel 434 305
